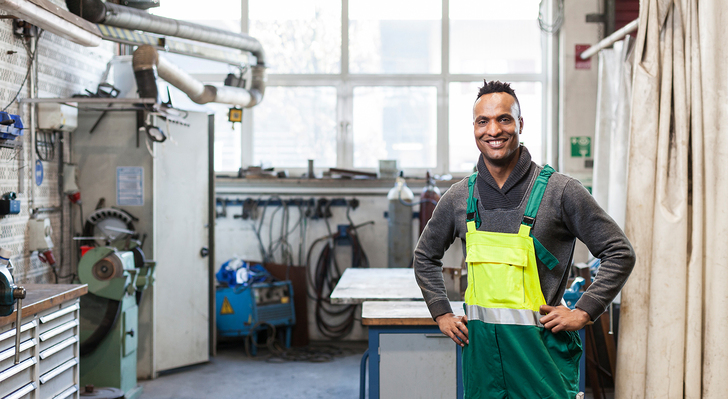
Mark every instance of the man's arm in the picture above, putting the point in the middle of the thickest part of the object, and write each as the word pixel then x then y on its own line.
pixel 436 238
pixel 605 240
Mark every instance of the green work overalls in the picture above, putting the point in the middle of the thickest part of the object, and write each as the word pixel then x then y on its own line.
pixel 510 354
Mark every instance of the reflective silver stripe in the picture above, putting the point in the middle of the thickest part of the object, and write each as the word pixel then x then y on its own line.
pixel 521 317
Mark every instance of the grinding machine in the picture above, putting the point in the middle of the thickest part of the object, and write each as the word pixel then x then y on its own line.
pixel 109 316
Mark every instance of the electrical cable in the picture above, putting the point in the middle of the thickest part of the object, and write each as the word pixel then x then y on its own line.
pixel 32 57
pixel 333 321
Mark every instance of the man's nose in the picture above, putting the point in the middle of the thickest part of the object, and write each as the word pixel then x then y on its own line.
pixel 493 128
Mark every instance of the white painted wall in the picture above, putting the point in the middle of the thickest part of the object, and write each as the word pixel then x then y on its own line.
pixel 236 237
pixel 578 92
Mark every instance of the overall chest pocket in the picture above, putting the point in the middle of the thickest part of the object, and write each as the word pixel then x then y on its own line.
pixel 497 272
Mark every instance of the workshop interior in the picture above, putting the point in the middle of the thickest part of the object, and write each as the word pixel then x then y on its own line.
pixel 223 199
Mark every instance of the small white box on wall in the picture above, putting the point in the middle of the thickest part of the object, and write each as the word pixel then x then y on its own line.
pixel 57 117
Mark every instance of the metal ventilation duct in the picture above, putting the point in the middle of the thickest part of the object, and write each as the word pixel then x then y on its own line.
pixel 146 59
pixel 111 14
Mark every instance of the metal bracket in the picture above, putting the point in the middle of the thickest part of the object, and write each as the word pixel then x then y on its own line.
pixel 597 18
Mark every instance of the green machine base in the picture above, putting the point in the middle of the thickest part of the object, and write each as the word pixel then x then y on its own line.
pixel 113 363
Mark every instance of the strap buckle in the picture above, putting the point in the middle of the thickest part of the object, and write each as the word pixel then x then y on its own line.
pixel 527 220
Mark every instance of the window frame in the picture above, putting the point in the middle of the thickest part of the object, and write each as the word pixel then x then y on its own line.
pixel 344 82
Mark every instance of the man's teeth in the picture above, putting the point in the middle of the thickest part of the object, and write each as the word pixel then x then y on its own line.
pixel 496 142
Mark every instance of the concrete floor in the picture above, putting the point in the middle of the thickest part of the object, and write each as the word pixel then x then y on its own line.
pixel 232 374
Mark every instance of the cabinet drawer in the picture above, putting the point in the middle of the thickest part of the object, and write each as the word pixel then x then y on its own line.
pixel 57 316
pixel 58 379
pixel 23 392
pixel 16 376
pixel 7 336
pixel 67 393
pixel 57 359
pixel 57 334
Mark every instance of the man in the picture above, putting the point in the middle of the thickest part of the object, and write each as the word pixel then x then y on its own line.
pixel 518 223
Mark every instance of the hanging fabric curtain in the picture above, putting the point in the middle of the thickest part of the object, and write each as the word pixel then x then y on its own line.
pixel 673 330
pixel 611 139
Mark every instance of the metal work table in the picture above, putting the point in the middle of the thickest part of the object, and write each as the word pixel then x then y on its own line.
pixel 408 355
pixel 40 297
pixel 48 364
pixel 376 284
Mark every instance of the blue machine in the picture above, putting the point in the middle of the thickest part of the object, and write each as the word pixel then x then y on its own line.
pixel 247 310
pixel 11 126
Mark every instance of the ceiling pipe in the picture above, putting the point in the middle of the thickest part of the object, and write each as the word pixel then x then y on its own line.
pixel 111 14
pixel 51 22
pixel 146 60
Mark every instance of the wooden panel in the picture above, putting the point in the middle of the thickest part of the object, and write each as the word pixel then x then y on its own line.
pixel 297 275
pixel 41 297
pixel 398 313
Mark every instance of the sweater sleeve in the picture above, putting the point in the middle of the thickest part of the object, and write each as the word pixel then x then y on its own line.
pixel 605 240
pixel 436 238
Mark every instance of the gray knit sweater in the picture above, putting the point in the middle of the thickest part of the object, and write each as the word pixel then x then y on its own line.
pixel 567 212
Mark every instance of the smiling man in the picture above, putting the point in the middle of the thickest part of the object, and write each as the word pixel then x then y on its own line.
pixel 518 223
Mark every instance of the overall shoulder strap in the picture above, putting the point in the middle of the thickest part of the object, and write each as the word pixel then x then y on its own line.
pixel 472 211
pixel 534 200
pixel 529 217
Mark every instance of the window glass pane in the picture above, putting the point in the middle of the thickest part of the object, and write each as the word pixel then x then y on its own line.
pixel 463 151
pixel 293 125
pixel 298 36
pixel 395 123
pixel 228 144
pixel 224 15
pixel 494 36
pixel 395 36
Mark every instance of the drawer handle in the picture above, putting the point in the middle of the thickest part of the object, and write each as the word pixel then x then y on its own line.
pixel 22 391
pixel 58 313
pixel 8 353
pixel 436 336
pixel 67 393
pixel 55 331
pixel 11 333
pixel 9 372
pixel 58 347
pixel 58 370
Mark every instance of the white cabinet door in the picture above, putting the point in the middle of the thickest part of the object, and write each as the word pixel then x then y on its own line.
pixel 181 301
pixel 417 366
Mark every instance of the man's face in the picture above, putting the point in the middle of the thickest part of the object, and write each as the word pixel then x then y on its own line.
pixel 497 124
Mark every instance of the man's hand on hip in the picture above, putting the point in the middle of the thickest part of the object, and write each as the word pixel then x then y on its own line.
pixel 454 327
pixel 561 318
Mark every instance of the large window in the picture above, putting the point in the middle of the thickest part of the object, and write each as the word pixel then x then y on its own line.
pixel 352 82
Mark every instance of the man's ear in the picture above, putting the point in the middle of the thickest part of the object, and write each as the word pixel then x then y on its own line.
pixel 520 122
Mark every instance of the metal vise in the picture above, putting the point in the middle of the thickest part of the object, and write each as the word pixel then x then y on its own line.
pixel 9 293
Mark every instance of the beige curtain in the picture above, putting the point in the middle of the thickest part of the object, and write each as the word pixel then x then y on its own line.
pixel 611 138
pixel 674 333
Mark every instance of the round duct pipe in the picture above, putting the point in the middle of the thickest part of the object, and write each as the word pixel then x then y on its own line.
pixel 111 14
pixel 146 61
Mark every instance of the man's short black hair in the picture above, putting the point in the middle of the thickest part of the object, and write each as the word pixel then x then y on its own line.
pixel 495 86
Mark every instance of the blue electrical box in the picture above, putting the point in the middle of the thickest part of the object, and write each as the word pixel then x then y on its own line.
pixel 243 311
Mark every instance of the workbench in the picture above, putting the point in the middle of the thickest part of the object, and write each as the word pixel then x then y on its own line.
pixel 49 349
pixel 357 285
pixel 408 355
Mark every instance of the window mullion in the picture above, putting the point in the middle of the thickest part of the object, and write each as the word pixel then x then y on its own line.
pixel 345 145
pixel 246 127
pixel 443 142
